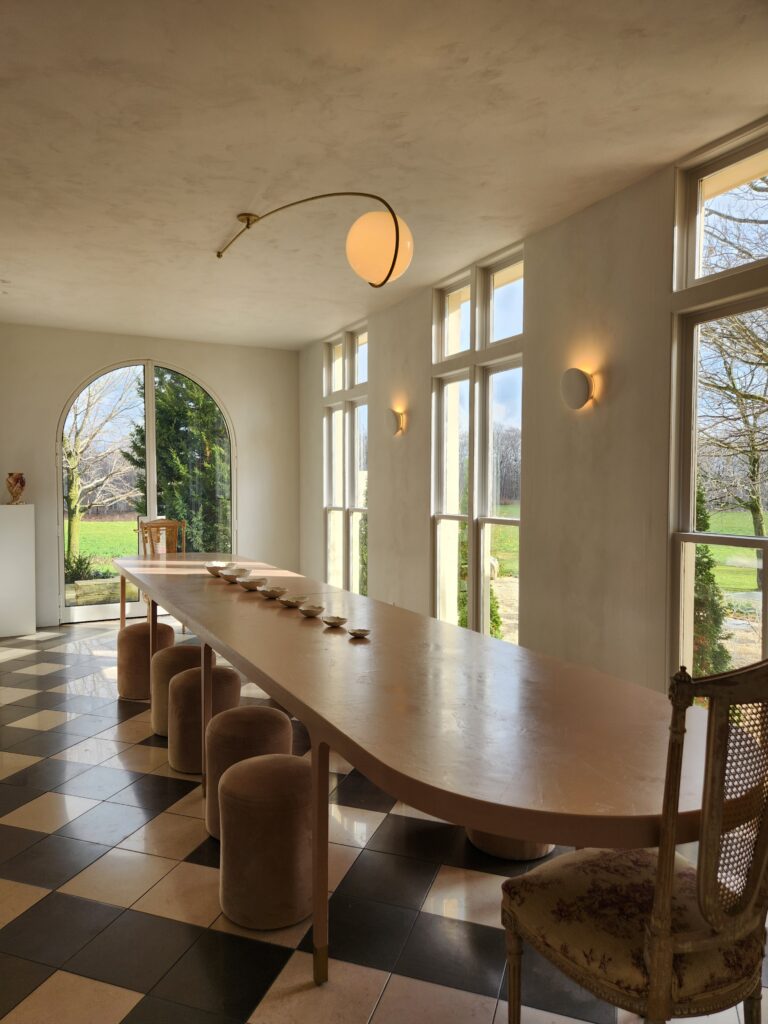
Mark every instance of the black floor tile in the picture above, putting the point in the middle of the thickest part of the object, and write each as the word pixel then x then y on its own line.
pixel 546 988
pixel 122 710
pixel 20 680
pixel 56 928
pixel 159 1011
pixel 41 701
pixel 12 713
pixel 414 837
pixel 357 791
pixel 365 932
pixel 155 741
pixel 18 979
pixel 46 775
pixel 14 840
pixel 83 705
pixel 47 743
pixel 208 853
pixel 10 735
pixel 224 974
pixel 12 797
pixel 50 862
pixel 156 792
pixel 135 951
pixel 108 823
pixel 86 725
pixel 99 783
pixel 389 878
pixel 458 954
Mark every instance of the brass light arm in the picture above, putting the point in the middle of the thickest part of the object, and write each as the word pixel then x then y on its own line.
pixel 249 219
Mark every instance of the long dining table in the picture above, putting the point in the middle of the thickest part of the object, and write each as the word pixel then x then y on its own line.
pixel 472 730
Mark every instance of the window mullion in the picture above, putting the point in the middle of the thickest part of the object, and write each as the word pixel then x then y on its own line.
pixel 150 432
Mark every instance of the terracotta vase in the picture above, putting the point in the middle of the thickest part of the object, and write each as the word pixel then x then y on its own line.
pixel 15 483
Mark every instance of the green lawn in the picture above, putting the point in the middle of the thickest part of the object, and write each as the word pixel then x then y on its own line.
pixel 107 540
pixel 505 541
pixel 735 570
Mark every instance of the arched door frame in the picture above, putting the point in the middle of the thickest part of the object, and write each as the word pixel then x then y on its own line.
pixel 92 613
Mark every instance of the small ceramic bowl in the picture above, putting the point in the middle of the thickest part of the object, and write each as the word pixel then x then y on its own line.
pixel 232 573
pixel 252 582
pixel 290 601
pixel 272 592
pixel 359 634
pixel 311 611
pixel 334 621
pixel 214 568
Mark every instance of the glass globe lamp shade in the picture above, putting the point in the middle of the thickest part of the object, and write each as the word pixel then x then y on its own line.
pixel 371 246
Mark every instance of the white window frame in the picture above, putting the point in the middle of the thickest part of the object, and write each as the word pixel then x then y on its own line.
pixel 347 399
pixel 698 300
pixel 690 174
pixel 477 364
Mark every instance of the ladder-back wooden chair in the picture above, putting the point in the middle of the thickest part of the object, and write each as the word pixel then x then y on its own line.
pixel 647 930
pixel 160 536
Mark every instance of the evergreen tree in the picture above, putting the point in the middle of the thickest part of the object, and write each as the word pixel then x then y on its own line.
pixel 710 654
pixel 193 461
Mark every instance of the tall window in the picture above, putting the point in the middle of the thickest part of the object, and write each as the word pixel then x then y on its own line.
pixel 346 462
pixel 723 517
pixel 478 432
pixel 138 440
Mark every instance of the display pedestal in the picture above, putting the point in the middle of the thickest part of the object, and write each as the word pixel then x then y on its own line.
pixel 17 565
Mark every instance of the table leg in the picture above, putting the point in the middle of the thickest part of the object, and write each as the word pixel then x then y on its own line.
pixel 320 862
pixel 122 602
pixel 152 627
pixel 206 695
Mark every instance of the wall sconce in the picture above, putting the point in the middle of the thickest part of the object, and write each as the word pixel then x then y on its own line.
pixel 379 244
pixel 577 388
pixel 400 422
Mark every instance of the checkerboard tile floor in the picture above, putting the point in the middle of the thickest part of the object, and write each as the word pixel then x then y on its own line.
pixel 109 882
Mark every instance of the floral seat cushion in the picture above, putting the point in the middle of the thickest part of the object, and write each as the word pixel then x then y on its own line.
pixel 587 912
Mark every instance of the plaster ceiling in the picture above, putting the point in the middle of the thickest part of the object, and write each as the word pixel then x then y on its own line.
pixel 134 132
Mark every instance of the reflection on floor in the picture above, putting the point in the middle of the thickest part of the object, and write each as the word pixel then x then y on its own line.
pixel 109 882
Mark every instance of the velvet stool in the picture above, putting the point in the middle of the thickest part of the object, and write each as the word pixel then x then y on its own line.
pixel 266 841
pixel 235 735
pixel 185 713
pixel 165 665
pixel 133 658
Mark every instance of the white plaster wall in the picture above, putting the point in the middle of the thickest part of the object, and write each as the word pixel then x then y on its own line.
pixel 312 543
pixel 594 544
pixel 595 484
pixel 399 483
pixel 40 368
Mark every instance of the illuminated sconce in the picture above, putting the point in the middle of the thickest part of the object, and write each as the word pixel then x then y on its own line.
pixel 400 422
pixel 577 388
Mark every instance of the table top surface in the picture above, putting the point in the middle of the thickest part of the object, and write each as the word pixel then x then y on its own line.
pixel 468 728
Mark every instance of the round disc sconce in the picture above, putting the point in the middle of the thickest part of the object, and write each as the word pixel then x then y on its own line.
pixel 577 388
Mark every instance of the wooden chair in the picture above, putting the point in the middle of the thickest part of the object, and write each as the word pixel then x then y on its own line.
pixel 646 929
pixel 162 535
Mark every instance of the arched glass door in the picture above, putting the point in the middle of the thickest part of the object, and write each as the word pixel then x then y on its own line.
pixel 127 450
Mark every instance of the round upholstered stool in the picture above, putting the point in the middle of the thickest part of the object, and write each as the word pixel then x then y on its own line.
pixel 185 713
pixel 165 665
pixel 266 841
pixel 233 736
pixel 133 658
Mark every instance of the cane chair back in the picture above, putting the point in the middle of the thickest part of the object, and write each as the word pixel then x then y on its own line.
pixel 733 850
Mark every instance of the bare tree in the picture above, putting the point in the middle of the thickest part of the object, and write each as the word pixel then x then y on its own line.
pixel 96 473
pixel 733 365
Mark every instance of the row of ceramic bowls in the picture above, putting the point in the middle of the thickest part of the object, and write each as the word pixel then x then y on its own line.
pixel 234 573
